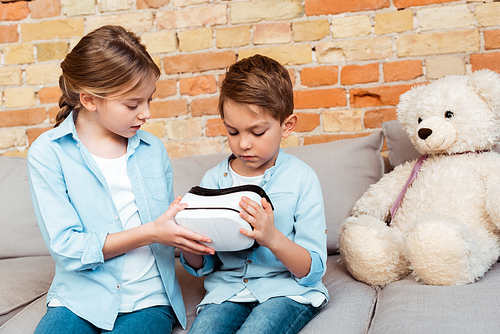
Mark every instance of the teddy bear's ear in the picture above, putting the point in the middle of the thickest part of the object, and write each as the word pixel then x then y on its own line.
pixel 486 84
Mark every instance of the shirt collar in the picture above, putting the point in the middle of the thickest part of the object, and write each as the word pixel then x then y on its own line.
pixel 269 172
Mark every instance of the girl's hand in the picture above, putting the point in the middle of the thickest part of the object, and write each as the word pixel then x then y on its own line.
pixel 167 232
pixel 262 220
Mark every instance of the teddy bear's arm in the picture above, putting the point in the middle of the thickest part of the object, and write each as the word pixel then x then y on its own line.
pixel 380 196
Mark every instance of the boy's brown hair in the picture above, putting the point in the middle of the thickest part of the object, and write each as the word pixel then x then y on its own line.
pixel 261 81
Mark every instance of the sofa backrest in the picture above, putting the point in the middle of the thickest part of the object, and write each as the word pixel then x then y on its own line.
pixel 345 168
pixel 19 233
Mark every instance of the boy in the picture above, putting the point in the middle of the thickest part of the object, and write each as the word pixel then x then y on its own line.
pixel 274 288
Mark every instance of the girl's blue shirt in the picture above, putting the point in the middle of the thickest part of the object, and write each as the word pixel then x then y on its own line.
pixel 295 193
pixel 75 213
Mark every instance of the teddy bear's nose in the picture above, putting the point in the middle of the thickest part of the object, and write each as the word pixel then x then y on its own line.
pixel 424 133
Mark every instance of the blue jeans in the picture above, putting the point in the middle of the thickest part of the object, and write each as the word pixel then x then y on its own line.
pixel 274 316
pixel 156 319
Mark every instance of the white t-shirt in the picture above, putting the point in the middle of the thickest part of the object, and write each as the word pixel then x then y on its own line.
pixel 315 298
pixel 141 283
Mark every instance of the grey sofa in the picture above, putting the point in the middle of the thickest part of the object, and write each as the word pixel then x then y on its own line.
pixel 345 168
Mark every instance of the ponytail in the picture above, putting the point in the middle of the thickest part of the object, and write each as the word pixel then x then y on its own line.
pixel 64 111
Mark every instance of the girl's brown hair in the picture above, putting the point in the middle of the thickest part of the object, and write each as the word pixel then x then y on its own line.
pixel 261 81
pixel 103 62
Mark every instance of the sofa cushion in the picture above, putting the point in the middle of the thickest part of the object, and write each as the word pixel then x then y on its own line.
pixel 400 147
pixel 351 303
pixel 345 168
pixel 23 280
pixel 188 171
pixel 407 306
pixel 20 233
pixel 27 319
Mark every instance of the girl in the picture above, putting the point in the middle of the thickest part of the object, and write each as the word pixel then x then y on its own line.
pixel 101 190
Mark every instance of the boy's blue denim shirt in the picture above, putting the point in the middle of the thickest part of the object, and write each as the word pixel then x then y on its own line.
pixel 295 193
pixel 75 213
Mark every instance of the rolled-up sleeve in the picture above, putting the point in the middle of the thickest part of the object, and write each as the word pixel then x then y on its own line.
pixel 310 227
pixel 207 267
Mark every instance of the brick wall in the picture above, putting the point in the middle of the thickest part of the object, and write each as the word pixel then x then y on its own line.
pixel 349 60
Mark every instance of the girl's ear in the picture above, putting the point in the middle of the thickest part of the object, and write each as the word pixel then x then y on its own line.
pixel 289 125
pixel 88 101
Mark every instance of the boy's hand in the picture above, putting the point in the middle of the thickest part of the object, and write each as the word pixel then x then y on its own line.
pixel 262 220
pixel 168 233
pixel 295 258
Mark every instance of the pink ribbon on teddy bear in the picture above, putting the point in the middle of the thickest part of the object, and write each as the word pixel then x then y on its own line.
pixel 412 177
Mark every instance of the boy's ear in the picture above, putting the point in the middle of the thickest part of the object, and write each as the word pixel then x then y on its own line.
pixel 289 125
pixel 88 101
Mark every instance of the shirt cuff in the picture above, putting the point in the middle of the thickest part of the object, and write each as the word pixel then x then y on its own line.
pixel 315 273
pixel 92 255
pixel 206 268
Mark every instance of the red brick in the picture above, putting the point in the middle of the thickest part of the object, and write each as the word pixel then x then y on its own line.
pixel 328 138
pixel 198 62
pixel 34 133
pixel 146 4
pixel 204 84
pixel 9 34
pixel 215 127
pixel 325 7
pixel 377 96
pixel 319 76
pixel 44 8
pixel 357 74
pixel 320 98
pixel 400 4
pixel 165 88
pixel 14 11
pixel 403 70
pixel 375 118
pixel 492 39
pixel 49 95
pixel 307 122
pixel 171 108
pixel 481 61
pixel 207 106
pixel 22 117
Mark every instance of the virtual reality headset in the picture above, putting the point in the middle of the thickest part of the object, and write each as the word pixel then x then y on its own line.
pixel 214 213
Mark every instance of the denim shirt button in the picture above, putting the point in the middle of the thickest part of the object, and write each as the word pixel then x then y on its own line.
pixel 249 261
pixel 118 287
pixel 225 174
pixel 245 280
pixel 117 217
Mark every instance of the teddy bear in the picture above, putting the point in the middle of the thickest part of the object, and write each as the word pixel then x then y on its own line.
pixel 437 217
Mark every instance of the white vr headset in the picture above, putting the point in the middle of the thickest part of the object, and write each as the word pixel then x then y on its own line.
pixel 214 213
